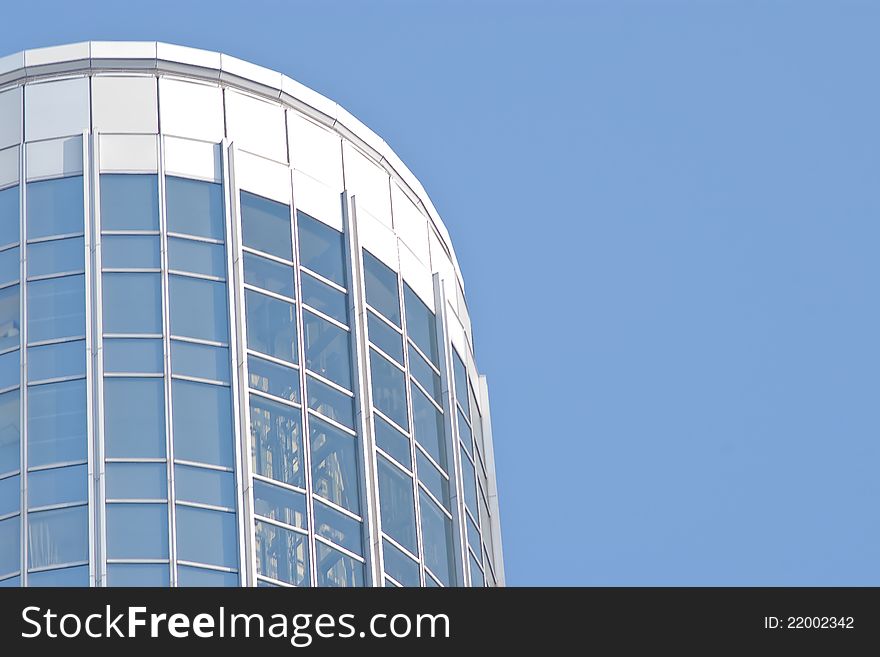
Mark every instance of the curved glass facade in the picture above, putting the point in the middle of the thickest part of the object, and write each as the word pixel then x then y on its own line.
pixel 234 347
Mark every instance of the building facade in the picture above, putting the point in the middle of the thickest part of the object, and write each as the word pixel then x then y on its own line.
pixel 234 343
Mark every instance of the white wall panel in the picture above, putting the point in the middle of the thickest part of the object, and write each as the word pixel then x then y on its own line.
pixel 455 332
pixel 411 225
pixel 190 109
pixel 192 159
pixel 10 117
pixel 262 177
pixel 54 158
pixel 416 275
pixel 124 104
pixel 317 200
pixel 56 109
pixel 8 166
pixel 123 49
pixel 129 153
pixel 55 54
pixel 315 150
pixel 441 263
pixel 377 238
pixel 256 126
pixel 369 182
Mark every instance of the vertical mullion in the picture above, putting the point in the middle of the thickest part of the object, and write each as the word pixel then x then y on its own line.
pixel 23 330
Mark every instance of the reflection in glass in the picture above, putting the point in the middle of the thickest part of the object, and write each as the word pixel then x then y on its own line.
pixel 380 283
pixel 330 403
pixel 437 540
pixel 337 569
pixel 428 426
pixel 129 202
pixel 389 393
pixel 399 566
pixel 321 248
pixel 280 504
pixel 265 225
pixel 276 435
pixel 392 442
pixel 10 432
pixel 397 504
pixel 271 326
pixel 282 554
pixel 273 379
pixel 268 274
pixel 459 374
pixel 334 465
pixel 432 479
pixel 58 537
pixel 421 326
pixel 10 327
pixel 385 337
pixel 134 417
pixel 338 527
pixel 327 350
pixel 423 373
pixel 328 300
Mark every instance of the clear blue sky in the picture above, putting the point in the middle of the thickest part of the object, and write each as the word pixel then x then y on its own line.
pixel 668 217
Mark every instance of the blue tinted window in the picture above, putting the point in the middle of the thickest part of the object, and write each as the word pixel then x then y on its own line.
pixel 58 486
pixel 78 576
pixel 271 326
pixel 423 373
pixel 464 432
pixel 421 326
pixel 137 531
pixel 10 582
pixel 399 566
pixel 385 337
pixel 397 504
pixel 432 479
pixel 200 360
pixel 191 576
pixel 9 431
pixel 129 202
pixel 198 308
pixel 327 350
pixel 282 554
pixel 437 540
pixel 338 527
pixel 55 257
pixel 10 327
pixel 337 569
pixel 470 483
pixel 9 216
pixel 273 379
pixel 204 486
pixel 428 426
pixel 132 303
pixel 268 274
pixel 197 257
pixel 134 417
pixel 133 355
pixel 328 300
pixel 380 283
pixel 459 374
pixel 10 265
pixel 132 481
pixel 321 249
pixel 334 465
pixel 265 225
pixel 391 441
pixel 276 435
pixel 130 252
pixel 208 537
pixel 280 504
pixel 56 308
pixel 52 361
pixel 477 579
pixel 138 574
pixel 330 403
pixel 473 534
pixel 202 420
pixel 54 207
pixel 195 207
pixel 58 537
pixel 10 498
pixel 389 391
pixel 10 370
pixel 56 423
pixel 10 542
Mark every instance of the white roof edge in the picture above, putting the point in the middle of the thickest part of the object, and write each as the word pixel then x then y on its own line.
pixel 155 55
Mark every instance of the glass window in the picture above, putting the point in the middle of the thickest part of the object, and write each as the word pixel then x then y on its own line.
pixel 328 300
pixel 10 457
pixel 271 326
pixel 265 225
pixel 10 370
pixel 204 361
pixel 337 569
pixel 137 531
pixel 330 403
pixel 423 373
pixel 195 207
pixel 385 337
pixel 389 389
pixel 202 422
pixel 130 252
pixel 459 374
pixel 397 506
pixel 133 355
pixel 134 417
pixel 55 361
pixel 381 287
pixel 276 435
pixel 54 207
pixel 282 554
pixel 198 308
pixel 268 274
pixel 56 308
pixel 78 576
pixel 10 542
pixel 208 537
pixel 10 498
pixel 129 202
pixel 55 257
pixel 58 537
pixel 56 423
pixel 10 265
pixel 9 216
pixel 132 303
pixel 327 350
pixel 273 379
pixel 399 566
pixel 392 442
pixel 338 527
pixel 421 326
pixel 437 540
pixel 136 481
pixel 432 479
pixel 10 327
pixel 10 582
pixel 428 426
pixel 464 433
pixel 477 579
pixel 473 534
pixel 204 486
pixel 192 576
pixel 470 483
pixel 58 486
pixel 321 249
pixel 138 574
pixel 197 257
pixel 334 465
pixel 280 504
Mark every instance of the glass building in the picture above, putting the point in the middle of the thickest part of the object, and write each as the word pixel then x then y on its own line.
pixel 234 343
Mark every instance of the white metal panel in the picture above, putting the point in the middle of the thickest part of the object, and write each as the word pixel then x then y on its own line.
pixel 315 150
pixel 185 55
pixel 9 166
pixel 56 109
pixel 317 200
pixel 262 177
pixel 312 101
pixel 55 158
pixel 10 117
pixel 256 126
pixel 456 332
pixel 369 183
pixel 129 153
pixel 124 104
pixel 11 63
pixel 411 225
pixel 193 159
pixel 56 54
pixel 233 66
pixel 441 264
pixel 377 238
pixel 416 275
pixel 123 50
pixel 191 109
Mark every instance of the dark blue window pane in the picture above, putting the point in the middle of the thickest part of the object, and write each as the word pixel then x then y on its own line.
pixel 389 389
pixel 137 531
pixel 276 435
pixel 399 566
pixel 58 486
pixel 209 537
pixel 380 283
pixel 265 225
pixel 428 426
pixel 195 207
pixel 138 574
pixel 133 481
pixel 268 274
pixel 273 379
pixel 54 207
pixel 10 265
pixel 385 337
pixel 271 326
pixel 204 486
pixel 433 480
pixel 56 308
pixel 129 202
pixel 198 308
pixel 78 576
pixel 10 326
pixel 397 504
pixel 203 361
pixel 10 545
pixel 328 300
pixel 130 252
pixel 58 537
pixel 334 465
pixel 9 219
pixel 190 576
pixel 133 355
pixel 202 420
pixel 280 504
pixel 134 417
pixel 331 403
pixel 10 370
pixel 53 361
pixel 327 350
pixel 10 458
pixel 197 257
pixel 10 497
pixel 321 249
pixel 437 540
pixel 337 569
pixel 391 441
pixel 55 257
pixel 338 527
pixel 282 554
pixel 421 326
pixel 56 423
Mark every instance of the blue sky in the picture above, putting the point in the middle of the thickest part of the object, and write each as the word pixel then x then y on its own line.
pixel 668 217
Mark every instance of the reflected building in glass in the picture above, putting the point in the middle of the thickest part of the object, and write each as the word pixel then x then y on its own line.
pixel 234 343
